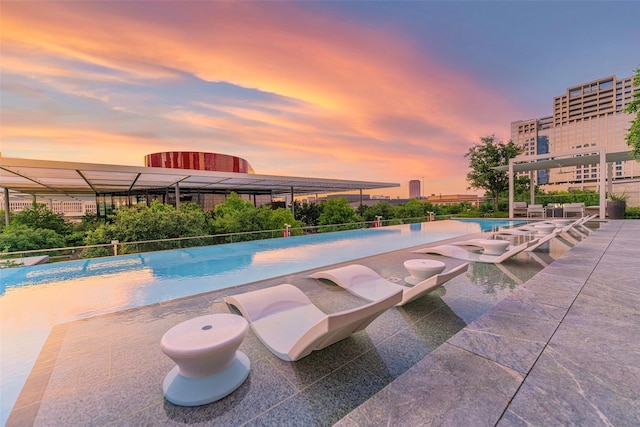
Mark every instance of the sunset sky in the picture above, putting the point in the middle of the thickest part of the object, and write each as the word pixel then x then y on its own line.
pixel 380 91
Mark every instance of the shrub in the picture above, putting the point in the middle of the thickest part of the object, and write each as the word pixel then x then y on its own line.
pixel 19 237
pixel 632 213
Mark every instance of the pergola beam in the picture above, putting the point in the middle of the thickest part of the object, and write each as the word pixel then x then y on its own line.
pixel 572 158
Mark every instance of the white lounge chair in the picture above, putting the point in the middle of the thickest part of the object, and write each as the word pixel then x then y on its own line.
pixel 488 246
pixel 542 240
pixel 291 326
pixel 365 283
pixel 515 232
pixel 458 252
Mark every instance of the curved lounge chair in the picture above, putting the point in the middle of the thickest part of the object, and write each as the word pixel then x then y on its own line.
pixel 460 253
pixel 488 246
pixel 365 283
pixel 521 231
pixel 556 233
pixel 291 326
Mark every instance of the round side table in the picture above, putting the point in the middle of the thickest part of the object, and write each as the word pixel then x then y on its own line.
pixel 422 269
pixel 543 229
pixel 493 246
pixel 208 363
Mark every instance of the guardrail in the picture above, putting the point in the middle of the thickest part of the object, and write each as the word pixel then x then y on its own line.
pixel 121 248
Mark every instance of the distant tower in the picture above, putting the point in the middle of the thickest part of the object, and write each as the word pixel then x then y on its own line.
pixel 414 189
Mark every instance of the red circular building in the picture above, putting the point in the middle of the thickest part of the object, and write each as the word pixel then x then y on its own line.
pixel 198 161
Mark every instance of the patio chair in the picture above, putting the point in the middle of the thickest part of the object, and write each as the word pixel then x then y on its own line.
pixel 365 283
pixel 519 208
pixel 459 252
pixel 573 208
pixel 291 326
pixel 536 210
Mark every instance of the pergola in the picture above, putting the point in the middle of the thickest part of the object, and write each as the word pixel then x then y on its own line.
pixel 79 181
pixel 573 158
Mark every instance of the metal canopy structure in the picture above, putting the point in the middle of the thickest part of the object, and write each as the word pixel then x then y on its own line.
pixel 565 159
pixel 76 181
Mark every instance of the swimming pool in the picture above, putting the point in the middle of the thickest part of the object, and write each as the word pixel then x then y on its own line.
pixel 34 299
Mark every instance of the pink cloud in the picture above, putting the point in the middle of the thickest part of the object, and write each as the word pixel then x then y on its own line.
pixel 369 104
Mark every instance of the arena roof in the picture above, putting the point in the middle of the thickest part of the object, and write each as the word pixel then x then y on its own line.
pixel 78 181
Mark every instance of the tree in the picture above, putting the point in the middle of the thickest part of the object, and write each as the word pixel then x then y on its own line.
pixel 383 209
pixel 308 213
pixel 20 237
pixel 39 216
pixel 412 209
pixel 78 230
pixel 235 215
pixel 156 221
pixel 485 156
pixel 337 211
pixel 633 135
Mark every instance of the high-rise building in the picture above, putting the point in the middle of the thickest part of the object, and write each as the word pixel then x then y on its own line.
pixel 587 115
pixel 414 189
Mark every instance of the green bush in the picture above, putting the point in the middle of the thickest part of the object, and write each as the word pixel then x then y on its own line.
pixel 632 213
pixel 19 237
pixel 156 221
pixel 337 211
pixel 236 215
pixel 39 216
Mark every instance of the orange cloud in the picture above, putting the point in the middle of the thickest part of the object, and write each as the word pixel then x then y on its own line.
pixel 365 104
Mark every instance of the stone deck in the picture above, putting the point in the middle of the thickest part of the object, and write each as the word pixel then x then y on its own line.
pixel 563 350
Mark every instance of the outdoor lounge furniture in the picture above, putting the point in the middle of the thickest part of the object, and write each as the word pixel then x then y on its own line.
pixel 208 363
pixel 519 208
pixel 569 209
pixel 533 210
pixel 421 269
pixel 555 233
pixel 291 326
pixel 513 232
pixel 458 252
pixel 553 211
pixel 365 283
pixel 580 228
pixel 489 246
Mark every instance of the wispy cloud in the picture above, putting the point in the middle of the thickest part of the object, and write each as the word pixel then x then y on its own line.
pixel 293 92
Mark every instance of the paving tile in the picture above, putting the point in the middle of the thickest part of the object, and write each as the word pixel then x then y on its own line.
pixel 557 392
pixel 101 403
pixel 398 353
pixel 560 299
pixel 514 353
pixel 548 282
pixel 326 401
pixel 393 357
pixel 514 326
pixel 450 387
pixel 263 388
pixel 517 305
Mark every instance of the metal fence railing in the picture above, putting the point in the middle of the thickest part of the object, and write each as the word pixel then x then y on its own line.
pixel 12 259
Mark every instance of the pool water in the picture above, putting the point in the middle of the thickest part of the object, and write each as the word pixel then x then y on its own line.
pixel 34 299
